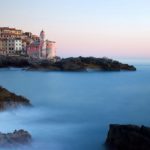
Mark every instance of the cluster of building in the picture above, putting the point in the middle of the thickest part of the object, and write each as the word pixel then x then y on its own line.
pixel 16 42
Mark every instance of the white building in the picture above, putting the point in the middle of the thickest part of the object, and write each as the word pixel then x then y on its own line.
pixel 14 45
pixel 10 46
pixel 48 48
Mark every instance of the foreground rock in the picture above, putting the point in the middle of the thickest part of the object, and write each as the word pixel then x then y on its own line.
pixel 67 64
pixel 11 100
pixel 15 138
pixel 128 137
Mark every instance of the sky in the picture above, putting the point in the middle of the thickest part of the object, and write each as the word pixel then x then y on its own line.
pixel 111 28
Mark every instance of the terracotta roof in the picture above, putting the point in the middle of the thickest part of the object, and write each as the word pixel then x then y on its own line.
pixel 3 28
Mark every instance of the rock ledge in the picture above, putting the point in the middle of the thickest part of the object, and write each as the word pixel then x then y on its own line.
pixel 128 137
pixel 11 100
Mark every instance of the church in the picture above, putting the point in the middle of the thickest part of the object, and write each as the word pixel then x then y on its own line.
pixel 41 48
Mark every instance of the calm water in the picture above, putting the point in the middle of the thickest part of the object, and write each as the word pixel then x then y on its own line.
pixel 72 111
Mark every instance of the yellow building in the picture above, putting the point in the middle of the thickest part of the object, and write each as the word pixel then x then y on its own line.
pixel 6 32
pixel 3 46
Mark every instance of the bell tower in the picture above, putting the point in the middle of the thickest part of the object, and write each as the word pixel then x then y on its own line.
pixel 42 35
pixel 42 45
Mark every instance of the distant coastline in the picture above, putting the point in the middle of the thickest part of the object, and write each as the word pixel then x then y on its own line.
pixel 65 64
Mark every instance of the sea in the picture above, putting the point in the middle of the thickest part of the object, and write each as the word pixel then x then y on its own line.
pixel 73 110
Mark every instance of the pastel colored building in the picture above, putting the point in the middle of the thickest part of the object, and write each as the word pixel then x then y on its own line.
pixel 33 50
pixel 1 47
pixel 15 41
pixel 6 32
pixel 1 44
pixel 50 49
pixel 10 45
pixel 42 48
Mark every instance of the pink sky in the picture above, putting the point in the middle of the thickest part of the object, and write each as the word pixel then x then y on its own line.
pixel 118 28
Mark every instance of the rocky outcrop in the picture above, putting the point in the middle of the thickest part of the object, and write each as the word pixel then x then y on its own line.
pixel 84 63
pixel 13 61
pixel 128 137
pixel 67 64
pixel 11 100
pixel 15 138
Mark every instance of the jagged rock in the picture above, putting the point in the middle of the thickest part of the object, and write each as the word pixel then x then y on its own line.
pixel 11 100
pixel 84 63
pixel 67 64
pixel 15 138
pixel 128 137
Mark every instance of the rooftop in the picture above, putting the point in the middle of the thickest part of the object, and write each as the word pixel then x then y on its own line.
pixel 7 28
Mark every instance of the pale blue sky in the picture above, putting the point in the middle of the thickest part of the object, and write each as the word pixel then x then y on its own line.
pixel 113 28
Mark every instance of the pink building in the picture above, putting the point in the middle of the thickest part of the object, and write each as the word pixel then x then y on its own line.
pixel 33 50
pixel 41 48
pixel 50 49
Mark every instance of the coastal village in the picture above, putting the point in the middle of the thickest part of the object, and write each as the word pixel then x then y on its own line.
pixel 15 42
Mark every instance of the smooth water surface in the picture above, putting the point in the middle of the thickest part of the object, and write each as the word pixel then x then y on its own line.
pixel 72 111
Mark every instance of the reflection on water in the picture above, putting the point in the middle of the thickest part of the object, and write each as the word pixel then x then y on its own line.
pixel 72 111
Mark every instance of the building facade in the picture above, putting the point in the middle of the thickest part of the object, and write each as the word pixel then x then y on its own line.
pixel 50 49
pixel 33 50
pixel 3 46
pixel 10 39
pixel 15 41
pixel 42 48
pixel 6 32
pixel 11 46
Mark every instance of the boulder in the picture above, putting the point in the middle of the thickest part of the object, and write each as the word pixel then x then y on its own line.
pixel 11 100
pixel 16 138
pixel 128 137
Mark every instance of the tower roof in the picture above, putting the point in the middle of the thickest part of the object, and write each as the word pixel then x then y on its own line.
pixel 42 31
pixel 42 35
